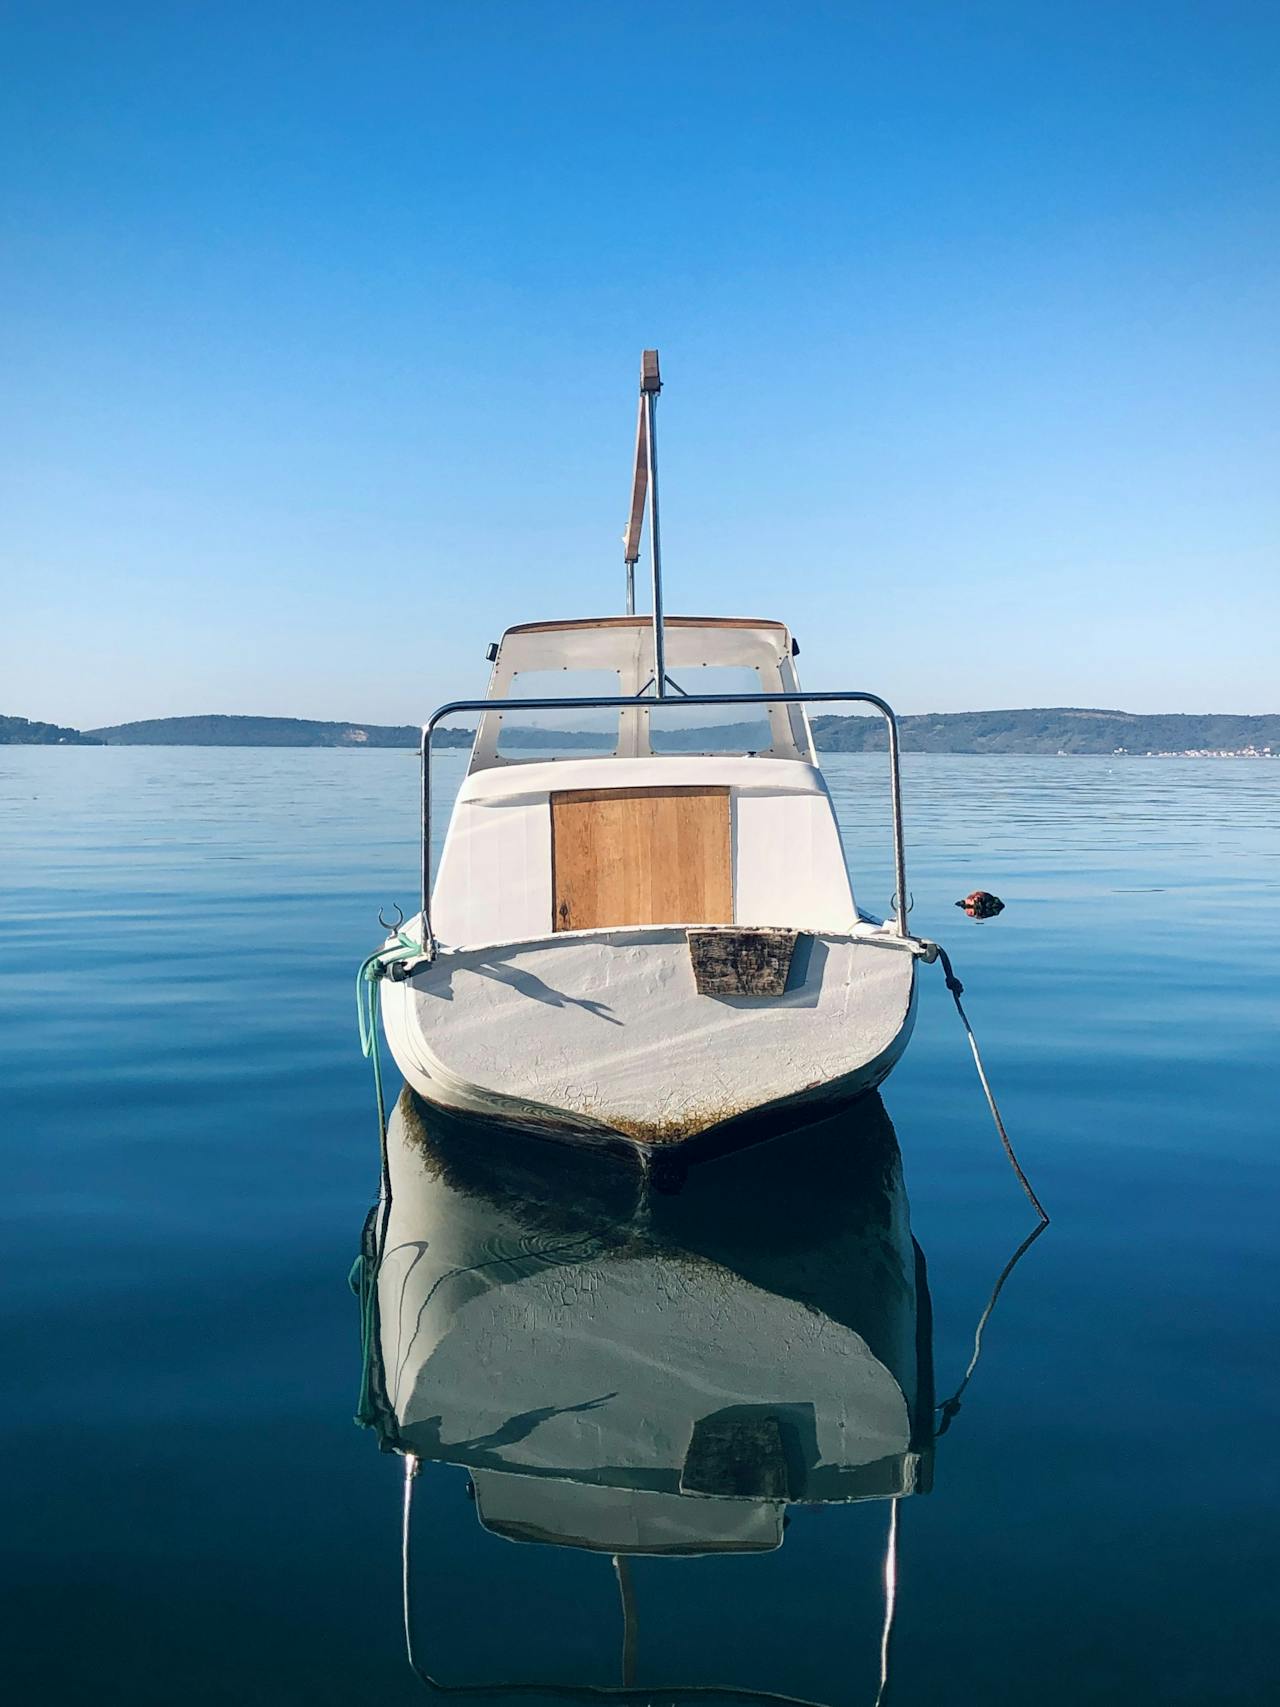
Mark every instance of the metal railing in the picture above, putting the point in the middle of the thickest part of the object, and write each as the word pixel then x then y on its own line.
pixel 483 707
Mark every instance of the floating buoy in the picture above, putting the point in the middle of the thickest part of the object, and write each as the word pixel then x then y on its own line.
pixel 980 905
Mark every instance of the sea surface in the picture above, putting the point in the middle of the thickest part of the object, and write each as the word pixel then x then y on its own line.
pixel 190 1149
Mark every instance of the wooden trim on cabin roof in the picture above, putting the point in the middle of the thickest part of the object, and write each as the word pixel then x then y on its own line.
pixel 646 622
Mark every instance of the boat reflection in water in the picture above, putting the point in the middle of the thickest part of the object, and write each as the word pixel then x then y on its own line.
pixel 631 1373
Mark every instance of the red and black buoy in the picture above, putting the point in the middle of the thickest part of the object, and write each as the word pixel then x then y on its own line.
pixel 981 905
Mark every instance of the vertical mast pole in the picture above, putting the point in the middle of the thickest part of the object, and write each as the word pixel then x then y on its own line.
pixel 650 386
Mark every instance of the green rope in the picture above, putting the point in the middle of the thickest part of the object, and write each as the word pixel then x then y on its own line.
pixel 363 1282
pixel 372 969
pixel 364 1271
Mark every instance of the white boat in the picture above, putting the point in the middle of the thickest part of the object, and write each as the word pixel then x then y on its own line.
pixel 626 1374
pixel 630 1375
pixel 643 928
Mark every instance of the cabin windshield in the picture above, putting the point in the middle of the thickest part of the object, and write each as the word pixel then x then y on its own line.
pixel 578 733
pixel 674 728
pixel 613 656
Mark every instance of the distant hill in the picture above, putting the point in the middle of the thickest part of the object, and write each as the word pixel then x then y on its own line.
pixel 303 732
pixel 21 732
pixel 267 732
pixel 1057 730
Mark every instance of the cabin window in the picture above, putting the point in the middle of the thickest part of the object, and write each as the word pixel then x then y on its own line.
pixel 579 732
pixel 676 728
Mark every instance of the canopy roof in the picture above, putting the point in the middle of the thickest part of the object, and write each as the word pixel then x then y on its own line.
pixel 621 642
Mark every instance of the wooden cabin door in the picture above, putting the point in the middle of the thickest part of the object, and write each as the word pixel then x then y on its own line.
pixel 640 856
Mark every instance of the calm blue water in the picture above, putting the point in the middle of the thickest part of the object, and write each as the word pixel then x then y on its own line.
pixel 189 1151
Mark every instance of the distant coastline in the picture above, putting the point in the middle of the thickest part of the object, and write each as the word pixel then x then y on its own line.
pixel 22 732
pixel 1061 730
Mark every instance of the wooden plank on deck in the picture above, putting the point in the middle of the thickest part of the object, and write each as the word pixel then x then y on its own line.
pixel 640 856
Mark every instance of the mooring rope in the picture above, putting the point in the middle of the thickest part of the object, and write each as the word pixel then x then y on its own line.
pixel 949 1408
pixel 890 1600
pixel 363 1276
pixel 373 968
pixel 957 990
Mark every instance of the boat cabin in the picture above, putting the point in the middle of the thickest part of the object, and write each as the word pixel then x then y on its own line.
pixel 615 817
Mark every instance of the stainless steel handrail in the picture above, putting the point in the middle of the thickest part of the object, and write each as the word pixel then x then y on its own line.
pixel 642 701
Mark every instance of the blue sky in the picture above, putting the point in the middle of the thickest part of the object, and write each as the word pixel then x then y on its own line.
pixel 321 324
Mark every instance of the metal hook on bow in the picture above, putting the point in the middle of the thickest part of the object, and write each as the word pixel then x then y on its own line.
pixel 893 905
pixel 391 924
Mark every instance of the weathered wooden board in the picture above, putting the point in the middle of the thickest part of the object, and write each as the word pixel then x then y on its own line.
pixel 641 856
pixel 736 1457
pixel 741 963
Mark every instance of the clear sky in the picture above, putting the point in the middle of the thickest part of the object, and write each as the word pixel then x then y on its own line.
pixel 321 326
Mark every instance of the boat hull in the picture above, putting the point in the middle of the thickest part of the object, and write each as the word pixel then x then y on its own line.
pixel 604 1038
pixel 694 1364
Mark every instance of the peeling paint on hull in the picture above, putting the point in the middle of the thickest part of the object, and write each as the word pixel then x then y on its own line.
pixel 603 1039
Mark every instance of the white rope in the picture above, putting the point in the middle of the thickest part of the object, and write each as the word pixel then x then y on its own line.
pixel 890 1601
pixel 406 1522
pixel 626 1593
